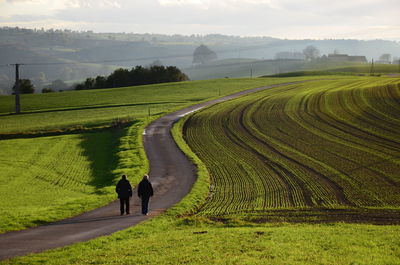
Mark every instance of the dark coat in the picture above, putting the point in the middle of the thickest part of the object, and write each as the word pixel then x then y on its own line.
pixel 124 189
pixel 145 189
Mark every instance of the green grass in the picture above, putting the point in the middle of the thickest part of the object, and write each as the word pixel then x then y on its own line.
pixel 175 239
pixel 312 73
pixel 45 179
pixel 50 178
pixel 366 68
pixel 192 242
pixel 79 170
pixel 234 68
pixel 328 144
pixel 88 108
pixel 169 239
pixel 357 70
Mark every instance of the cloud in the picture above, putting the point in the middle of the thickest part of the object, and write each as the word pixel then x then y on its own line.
pixel 208 4
pixel 280 18
pixel 12 8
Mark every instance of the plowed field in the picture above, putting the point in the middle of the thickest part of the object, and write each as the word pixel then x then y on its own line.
pixel 322 145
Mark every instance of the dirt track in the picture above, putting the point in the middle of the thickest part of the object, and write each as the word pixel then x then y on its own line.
pixel 171 174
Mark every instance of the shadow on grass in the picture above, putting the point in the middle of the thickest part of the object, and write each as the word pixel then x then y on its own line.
pixel 101 150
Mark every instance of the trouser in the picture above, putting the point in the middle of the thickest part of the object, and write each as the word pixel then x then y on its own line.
pixel 124 202
pixel 145 204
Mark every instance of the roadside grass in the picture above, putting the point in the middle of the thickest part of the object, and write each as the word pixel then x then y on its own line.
pixel 175 238
pixel 169 240
pixel 101 107
pixel 275 244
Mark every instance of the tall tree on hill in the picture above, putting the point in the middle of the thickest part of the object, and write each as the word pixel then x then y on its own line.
pixel 311 52
pixel 203 54
pixel 386 57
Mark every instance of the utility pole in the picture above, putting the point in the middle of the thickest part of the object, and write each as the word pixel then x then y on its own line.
pixel 371 73
pixel 399 65
pixel 17 92
pixel 251 72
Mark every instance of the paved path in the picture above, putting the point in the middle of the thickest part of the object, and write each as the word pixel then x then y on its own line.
pixel 171 174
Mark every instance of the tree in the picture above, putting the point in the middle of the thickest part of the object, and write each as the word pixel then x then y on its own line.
pixel 386 57
pixel 100 82
pixel 58 85
pixel 25 87
pixel 311 53
pixel 203 54
pixel 47 90
pixel 119 78
pixel 138 75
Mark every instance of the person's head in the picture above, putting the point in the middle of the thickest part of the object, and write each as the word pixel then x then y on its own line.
pixel 123 176
pixel 146 177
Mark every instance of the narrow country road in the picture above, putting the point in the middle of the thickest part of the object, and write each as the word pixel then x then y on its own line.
pixel 171 174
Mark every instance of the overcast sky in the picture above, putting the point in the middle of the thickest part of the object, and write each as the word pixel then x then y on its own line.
pixel 292 19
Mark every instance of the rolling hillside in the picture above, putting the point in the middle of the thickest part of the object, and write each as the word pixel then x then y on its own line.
pixel 329 144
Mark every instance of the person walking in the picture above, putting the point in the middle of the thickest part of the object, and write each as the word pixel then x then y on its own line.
pixel 124 190
pixel 145 191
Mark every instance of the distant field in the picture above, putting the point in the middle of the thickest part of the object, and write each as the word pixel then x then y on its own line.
pixel 246 67
pixel 366 68
pixel 329 144
pixel 52 111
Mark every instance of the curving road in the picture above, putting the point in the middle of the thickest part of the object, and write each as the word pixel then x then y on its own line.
pixel 171 174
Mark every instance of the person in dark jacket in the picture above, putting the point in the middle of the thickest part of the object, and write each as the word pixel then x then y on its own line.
pixel 145 191
pixel 124 190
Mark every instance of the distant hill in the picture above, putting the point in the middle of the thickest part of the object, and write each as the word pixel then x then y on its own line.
pixel 58 54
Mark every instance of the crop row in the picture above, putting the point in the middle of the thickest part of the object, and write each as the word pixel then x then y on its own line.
pixel 327 143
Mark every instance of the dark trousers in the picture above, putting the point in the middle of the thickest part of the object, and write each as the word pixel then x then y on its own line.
pixel 145 204
pixel 124 201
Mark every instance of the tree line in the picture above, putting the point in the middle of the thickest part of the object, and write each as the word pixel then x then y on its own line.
pixel 138 75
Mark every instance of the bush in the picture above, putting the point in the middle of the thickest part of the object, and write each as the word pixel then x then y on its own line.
pixel 47 90
pixel 136 76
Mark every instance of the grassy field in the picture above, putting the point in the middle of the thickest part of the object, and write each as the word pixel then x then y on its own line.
pixel 175 239
pixel 190 243
pixel 329 144
pixel 88 108
pixel 183 237
pixel 247 67
pixel 65 174
pixel 49 178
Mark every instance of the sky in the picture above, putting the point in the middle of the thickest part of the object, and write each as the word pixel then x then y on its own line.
pixel 290 19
